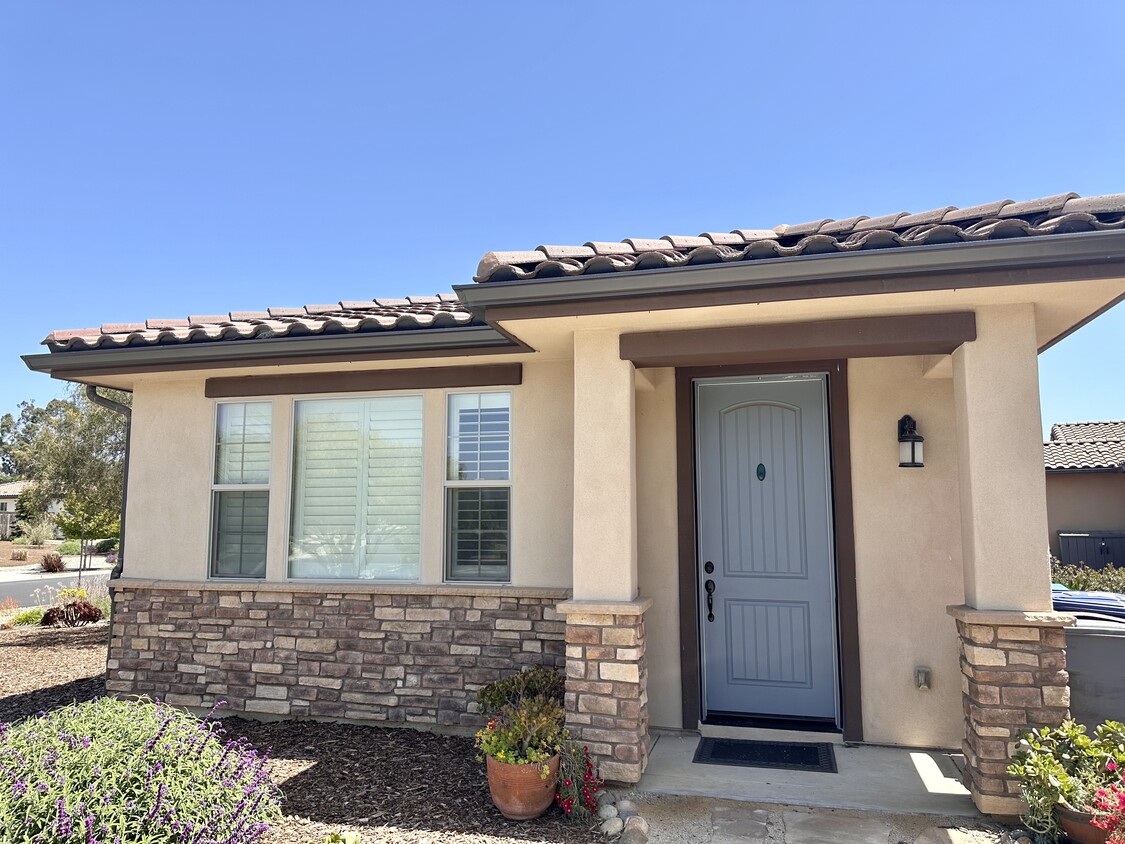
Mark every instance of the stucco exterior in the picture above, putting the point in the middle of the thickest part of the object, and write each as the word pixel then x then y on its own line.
pixel 1084 501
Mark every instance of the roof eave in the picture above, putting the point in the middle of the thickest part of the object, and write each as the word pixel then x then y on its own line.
pixel 897 265
pixel 431 341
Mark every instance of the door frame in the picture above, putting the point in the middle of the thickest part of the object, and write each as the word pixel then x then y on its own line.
pixel 839 450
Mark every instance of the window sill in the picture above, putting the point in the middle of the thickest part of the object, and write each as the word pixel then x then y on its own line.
pixel 343 587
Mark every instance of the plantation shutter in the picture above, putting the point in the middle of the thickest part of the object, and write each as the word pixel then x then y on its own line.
pixel 240 504
pixel 357 488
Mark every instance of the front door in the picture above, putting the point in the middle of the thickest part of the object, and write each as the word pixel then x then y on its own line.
pixel 766 560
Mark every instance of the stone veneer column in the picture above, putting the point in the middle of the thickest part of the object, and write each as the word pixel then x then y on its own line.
pixel 607 683
pixel 1014 678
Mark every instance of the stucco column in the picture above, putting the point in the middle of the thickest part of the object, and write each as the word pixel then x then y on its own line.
pixel 1013 658
pixel 1002 484
pixel 605 477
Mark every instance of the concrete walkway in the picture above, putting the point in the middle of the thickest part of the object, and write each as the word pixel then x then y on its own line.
pixel 697 820
pixel 877 779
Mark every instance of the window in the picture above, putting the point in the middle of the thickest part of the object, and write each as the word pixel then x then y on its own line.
pixel 240 489
pixel 478 487
pixel 357 489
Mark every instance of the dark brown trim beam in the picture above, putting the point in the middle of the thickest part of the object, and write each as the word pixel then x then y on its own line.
pixel 924 334
pixel 492 375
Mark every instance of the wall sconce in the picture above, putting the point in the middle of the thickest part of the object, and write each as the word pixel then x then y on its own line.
pixel 909 443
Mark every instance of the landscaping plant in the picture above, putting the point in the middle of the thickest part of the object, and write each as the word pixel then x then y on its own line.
pixel 536 681
pixel 52 562
pixel 1063 765
pixel 19 555
pixel 37 532
pixel 132 771
pixel 578 788
pixel 1086 579
pixel 527 732
pixel 29 617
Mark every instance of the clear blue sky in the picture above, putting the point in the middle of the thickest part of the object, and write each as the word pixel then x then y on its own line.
pixel 161 159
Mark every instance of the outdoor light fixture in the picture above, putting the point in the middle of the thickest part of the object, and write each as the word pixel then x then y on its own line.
pixel 909 443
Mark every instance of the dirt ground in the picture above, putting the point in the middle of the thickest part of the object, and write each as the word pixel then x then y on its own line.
pixel 34 555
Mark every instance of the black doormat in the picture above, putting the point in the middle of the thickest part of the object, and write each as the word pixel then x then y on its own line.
pixel 788 755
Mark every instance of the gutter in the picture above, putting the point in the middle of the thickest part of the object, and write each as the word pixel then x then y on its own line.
pixel 127 412
pixel 213 353
pixel 990 256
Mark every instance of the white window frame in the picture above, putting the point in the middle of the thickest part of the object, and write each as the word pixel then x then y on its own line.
pixel 447 484
pixel 217 487
pixel 290 497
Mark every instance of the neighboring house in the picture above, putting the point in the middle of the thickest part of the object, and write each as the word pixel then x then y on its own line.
pixel 9 493
pixel 671 465
pixel 1085 464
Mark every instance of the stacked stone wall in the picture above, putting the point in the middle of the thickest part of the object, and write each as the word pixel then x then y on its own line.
pixel 397 657
pixel 1014 679
pixel 607 688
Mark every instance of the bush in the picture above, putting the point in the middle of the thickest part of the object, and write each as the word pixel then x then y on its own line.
pixel 52 562
pixel 19 555
pixel 71 546
pixel 19 540
pixel 37 532
pixel 578 785
pixel 131 771
pixel 536 681
pixel 74 613
pixel 28 618
pixel 1084 578
pixel 104 546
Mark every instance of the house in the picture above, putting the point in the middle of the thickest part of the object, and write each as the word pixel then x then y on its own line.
pixel 673 466
pixel 9 494
pixel 1085 464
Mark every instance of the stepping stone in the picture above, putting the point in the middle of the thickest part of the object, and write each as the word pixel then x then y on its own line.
pixel 730 825
pixel 823 827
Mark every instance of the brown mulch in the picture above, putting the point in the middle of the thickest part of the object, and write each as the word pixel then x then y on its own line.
pixel 388 785
pixel 34 555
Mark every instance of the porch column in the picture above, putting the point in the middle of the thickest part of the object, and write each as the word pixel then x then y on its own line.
pixel 606 670
pixel 1012 645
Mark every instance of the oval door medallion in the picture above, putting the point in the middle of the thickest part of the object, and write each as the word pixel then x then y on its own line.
pixel 761 472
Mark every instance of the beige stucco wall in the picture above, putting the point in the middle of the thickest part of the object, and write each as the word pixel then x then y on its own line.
pixel 1083 502
pixel 657 551
pixel 908 553
pixel 168 518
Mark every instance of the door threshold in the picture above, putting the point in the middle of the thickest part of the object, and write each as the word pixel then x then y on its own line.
pixel 832 736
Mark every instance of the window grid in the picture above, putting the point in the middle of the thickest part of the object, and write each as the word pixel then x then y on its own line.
pixel 240 489
pixel 478 487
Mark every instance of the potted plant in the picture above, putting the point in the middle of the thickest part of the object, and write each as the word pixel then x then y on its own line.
pixel 521 744
pixel 1062 771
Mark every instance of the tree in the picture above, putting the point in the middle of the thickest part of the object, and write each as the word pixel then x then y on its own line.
pixel 71 450
pixel 84 518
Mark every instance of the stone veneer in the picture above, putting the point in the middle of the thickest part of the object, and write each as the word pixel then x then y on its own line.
pixel 607 684
pixel 1014 678
pixel 381 653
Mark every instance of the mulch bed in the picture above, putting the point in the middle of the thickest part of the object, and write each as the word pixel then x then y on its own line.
pixel 387 784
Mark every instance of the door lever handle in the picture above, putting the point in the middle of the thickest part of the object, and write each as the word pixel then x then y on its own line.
pixel 709 586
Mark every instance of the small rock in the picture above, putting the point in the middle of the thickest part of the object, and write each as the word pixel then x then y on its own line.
pixel 605 797
pixel 633 836
pixel 612 826
pixel 607 811
pixel 626 806
pixel 635 821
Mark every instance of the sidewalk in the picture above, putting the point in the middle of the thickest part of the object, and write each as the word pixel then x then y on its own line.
pixel 698 820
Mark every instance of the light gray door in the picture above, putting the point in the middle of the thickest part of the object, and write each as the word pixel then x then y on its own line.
pixel 768 606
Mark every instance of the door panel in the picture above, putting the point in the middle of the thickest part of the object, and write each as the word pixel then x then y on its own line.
pixel 769 628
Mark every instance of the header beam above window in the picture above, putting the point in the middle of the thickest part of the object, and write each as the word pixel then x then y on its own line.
pixel 921 334
pixel 489 375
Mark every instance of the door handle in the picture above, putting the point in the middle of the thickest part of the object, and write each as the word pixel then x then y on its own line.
pixel 709 586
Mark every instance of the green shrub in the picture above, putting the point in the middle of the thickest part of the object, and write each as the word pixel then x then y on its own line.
pixel 19 555
pixel 19 540
pixel 37 532
pixel 70 546
pixel 130 771
pixel 536 681
pixel 104 546
pixel 29 617
pixel 1084 578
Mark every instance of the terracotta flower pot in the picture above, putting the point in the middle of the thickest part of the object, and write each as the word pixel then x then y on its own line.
pixel 1078 828
pixel 521 792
